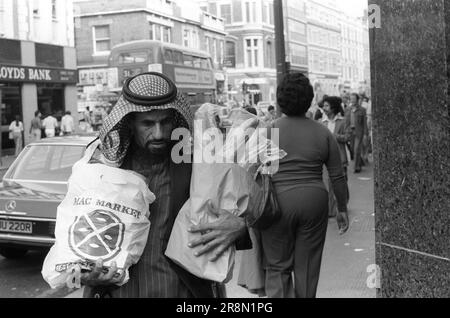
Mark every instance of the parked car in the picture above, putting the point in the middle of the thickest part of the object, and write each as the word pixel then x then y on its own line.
pixel 32 188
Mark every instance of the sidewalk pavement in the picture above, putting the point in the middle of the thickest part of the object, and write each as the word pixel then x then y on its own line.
pixel 346 258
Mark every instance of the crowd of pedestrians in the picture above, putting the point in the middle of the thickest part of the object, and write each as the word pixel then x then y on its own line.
pixel 48 126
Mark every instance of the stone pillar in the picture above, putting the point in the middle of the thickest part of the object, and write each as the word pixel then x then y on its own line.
pixel 410 55
pixel 70 91
pixel 29 90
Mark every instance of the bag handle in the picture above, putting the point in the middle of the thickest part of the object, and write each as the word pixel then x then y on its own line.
pixel 88 153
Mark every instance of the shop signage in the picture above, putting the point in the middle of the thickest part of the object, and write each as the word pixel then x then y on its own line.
pixel 13 73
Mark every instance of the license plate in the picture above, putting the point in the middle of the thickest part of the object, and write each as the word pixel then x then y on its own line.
pixel 16 227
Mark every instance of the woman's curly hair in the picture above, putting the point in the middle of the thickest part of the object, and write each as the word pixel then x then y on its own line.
pixel 295 94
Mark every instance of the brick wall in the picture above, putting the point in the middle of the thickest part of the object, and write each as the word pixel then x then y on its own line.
pixel 121 30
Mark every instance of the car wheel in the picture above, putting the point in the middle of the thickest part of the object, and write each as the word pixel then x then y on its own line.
pixel 12 253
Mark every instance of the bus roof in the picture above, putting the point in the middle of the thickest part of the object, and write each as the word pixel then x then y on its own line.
pixel 143 43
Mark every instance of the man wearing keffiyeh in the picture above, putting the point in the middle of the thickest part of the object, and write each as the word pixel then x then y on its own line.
pixel 137 136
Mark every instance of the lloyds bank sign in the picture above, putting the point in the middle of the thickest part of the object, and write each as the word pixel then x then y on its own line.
pixel 14 73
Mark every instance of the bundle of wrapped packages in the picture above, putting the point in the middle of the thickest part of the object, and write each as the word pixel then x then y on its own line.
pixel 223 179
pixel 104 216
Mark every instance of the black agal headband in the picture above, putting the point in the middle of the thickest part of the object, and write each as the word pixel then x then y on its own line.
pixel 150 100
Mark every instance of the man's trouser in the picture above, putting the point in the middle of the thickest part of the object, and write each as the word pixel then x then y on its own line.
pixel 295 244
pixel 49 133
pixel 36 134
pixel 18 141
pixel 357 145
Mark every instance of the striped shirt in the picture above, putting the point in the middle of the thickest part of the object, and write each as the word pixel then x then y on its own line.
pixel 153 277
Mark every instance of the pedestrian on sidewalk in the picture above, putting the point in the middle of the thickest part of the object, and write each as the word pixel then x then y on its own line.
pixel 67 124
pixel 16 132
pixel 357 117
pixel 367 144
pixel 271 115
pixel 296 242
pixel 337 125
pixel 50 123
pixel 346 107
pixel 36 127
pixel 137 137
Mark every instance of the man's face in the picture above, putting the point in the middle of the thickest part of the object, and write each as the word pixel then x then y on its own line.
pixel 153 130
pixel 327 108
pixel 353 100
pixel 273 112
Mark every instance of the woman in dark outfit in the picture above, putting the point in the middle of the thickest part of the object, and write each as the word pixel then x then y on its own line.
pixel 295 243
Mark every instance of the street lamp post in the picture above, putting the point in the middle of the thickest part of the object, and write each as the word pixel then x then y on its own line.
pixel 1 129
pixel 282 66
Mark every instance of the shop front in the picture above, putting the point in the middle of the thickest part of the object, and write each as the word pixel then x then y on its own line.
pixel 11 106
pixel 24 89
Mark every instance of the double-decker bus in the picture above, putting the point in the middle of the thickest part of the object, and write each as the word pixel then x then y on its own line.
pixel 191 70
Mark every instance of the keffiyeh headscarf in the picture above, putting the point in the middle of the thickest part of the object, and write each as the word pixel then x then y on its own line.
pixel 143 93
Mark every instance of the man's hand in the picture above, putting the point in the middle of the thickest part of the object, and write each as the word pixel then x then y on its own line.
pixel 217 237
pixel 98 278
pixel 343 222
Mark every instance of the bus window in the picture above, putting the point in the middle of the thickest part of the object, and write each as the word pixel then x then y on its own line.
pixel 168 57
pixel 134 58
pixel 197 62
pixel 188 60
pixel 204 63
pixel 177 57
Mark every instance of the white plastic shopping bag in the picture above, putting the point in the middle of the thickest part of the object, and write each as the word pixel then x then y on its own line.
pixel 105 215
pixel 227 184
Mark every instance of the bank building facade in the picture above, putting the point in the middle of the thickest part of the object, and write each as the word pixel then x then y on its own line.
pixel 37 62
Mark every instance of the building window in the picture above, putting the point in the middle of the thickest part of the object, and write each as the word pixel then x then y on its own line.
pixel 271 15
pixel 252 52
pixel 230 54
pixel 167 34
pixel 225 13
pixel 297 31
pixel 215 52
pixel 36 9
pixel 213 8
pixel 54 10
pixel 186 37
pixel 10 51
pixel 265 12
pixel 296 8
pixel 191 38
pixel 102 39
pixel 299 54
pixel 194 39
pixel 160 33
pixel 49 55
pixel 250 11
